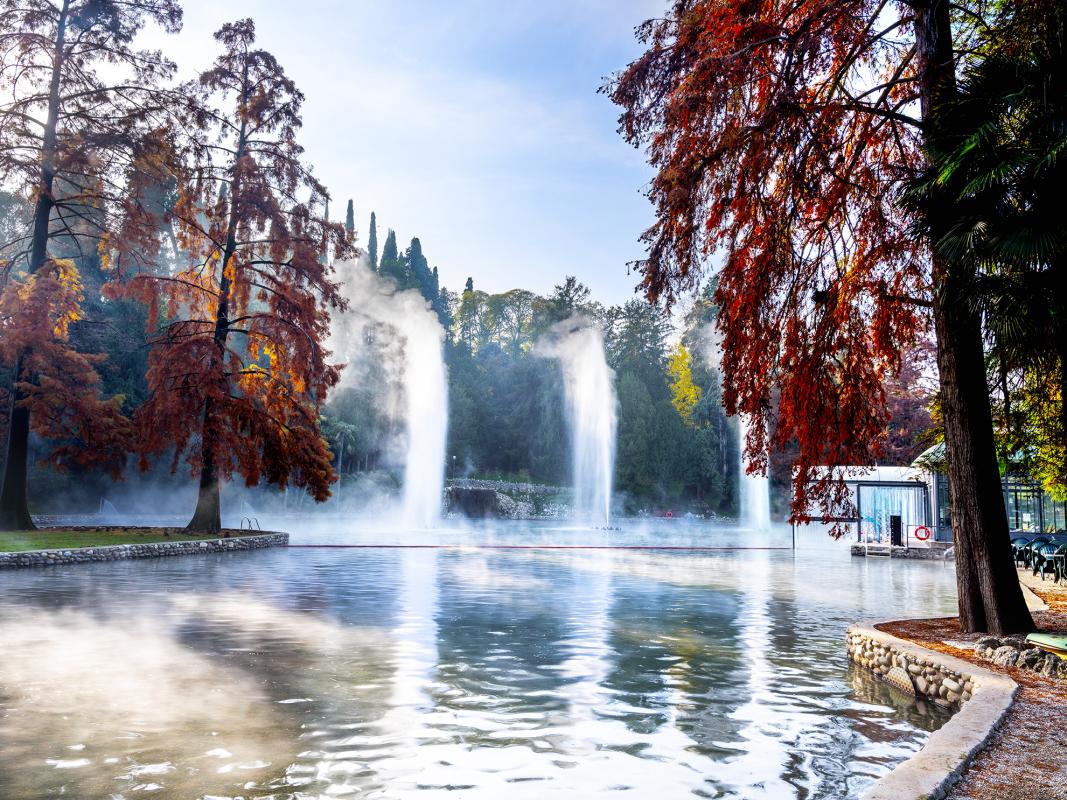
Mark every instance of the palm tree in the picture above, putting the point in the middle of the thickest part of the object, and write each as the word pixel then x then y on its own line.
pixel 1005 178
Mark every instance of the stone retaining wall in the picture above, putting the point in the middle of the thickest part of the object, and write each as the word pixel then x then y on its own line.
pixel 934 552
pixel 981 698
pixel 121 552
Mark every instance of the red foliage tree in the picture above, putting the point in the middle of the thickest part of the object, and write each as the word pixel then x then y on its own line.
pixel 70 134
pixel 783 134
pixel 238 371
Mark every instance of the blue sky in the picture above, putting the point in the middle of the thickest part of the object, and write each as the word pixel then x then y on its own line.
pixel 473 124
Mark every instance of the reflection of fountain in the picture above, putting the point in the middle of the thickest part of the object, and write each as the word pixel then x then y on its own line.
pixel 590 391
pixel 755 490
pixel 424 382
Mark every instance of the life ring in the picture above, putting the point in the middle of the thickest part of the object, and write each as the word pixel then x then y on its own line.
pixel 922 533
pixel 669 515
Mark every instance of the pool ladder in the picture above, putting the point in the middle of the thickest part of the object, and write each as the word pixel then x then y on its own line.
pixel 251 521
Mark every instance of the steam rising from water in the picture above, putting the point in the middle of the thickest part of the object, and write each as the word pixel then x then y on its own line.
pixel 589 385
pixel 423 380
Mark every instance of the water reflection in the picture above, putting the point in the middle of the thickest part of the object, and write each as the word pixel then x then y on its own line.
pixel 386 673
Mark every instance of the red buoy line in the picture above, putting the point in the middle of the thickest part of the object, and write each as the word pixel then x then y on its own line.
pixel 698 548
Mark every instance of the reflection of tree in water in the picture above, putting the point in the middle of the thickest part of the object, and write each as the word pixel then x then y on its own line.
pixel 501 622
pixel 677 657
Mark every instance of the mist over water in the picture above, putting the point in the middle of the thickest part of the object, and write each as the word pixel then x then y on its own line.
pixel 589 387
pixel 422 378
pixel 755 489
pixel 462 672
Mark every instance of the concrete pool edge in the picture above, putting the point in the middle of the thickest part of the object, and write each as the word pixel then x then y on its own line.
pixel 124 552
pixel 941 762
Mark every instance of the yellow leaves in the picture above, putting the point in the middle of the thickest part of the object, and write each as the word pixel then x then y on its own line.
pixel 684 393
pixel 230 272
pixel 41 306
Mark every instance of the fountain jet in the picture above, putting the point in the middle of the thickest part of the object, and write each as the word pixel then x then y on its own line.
pixel 755 489
pixel 589 389
pixel 423 380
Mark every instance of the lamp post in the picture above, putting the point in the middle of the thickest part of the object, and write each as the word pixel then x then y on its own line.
pixel 453 469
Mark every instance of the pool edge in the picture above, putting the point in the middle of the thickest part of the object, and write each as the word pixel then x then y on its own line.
pixel 124 552
pixel 932 772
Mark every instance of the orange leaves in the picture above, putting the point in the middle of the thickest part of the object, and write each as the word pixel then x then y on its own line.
pixel 779 145
pixel 59 385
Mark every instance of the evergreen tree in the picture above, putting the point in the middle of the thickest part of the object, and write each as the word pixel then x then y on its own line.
pixel 419 275
pixel 372 241
pixel 391 265
pixel 469 285
pixel 350 219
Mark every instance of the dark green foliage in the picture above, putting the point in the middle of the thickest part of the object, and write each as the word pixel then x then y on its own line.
pixel 372 241
pixel 350 218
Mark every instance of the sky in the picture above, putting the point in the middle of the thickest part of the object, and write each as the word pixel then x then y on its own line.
pixel 473 124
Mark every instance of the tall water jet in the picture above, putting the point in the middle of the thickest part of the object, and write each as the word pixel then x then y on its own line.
pixel 426 401
pixel 589 389
pixel 755 489
pixel 422 379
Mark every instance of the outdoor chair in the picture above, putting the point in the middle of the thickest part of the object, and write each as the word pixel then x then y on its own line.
pixel 1043 558
pixel 1027 553
pixel 1017 545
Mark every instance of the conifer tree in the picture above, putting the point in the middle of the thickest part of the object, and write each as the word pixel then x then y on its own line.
pixel 419 275
pixel 391 265
pixel 350 220
pixel 372 241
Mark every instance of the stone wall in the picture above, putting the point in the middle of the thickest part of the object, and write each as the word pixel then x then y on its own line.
pixel 981 699
pixel 121 552
pixel 924 677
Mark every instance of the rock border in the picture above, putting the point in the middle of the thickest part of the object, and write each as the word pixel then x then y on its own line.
pixel 123 552
pixel 931 772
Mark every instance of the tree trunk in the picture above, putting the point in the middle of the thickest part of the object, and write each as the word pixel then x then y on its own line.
pixel 208 515
pixel 990 597
pixel 14 511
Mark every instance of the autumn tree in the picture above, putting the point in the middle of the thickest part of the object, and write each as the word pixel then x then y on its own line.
pixel 82 130
pixel 238 372
pixel 783 136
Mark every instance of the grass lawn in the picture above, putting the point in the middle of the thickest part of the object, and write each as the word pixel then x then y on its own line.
pixel 14 541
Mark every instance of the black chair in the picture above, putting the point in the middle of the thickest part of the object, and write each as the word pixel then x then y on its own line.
pixel 1017 545
pixel 1027 553
pixel 1042 558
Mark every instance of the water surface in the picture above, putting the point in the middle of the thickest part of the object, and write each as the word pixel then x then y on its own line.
pixel 460 673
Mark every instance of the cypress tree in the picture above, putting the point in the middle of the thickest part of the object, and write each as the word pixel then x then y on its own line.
pixel 350 219
pixel 418 270
pixel 372 241
pixel 391 265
